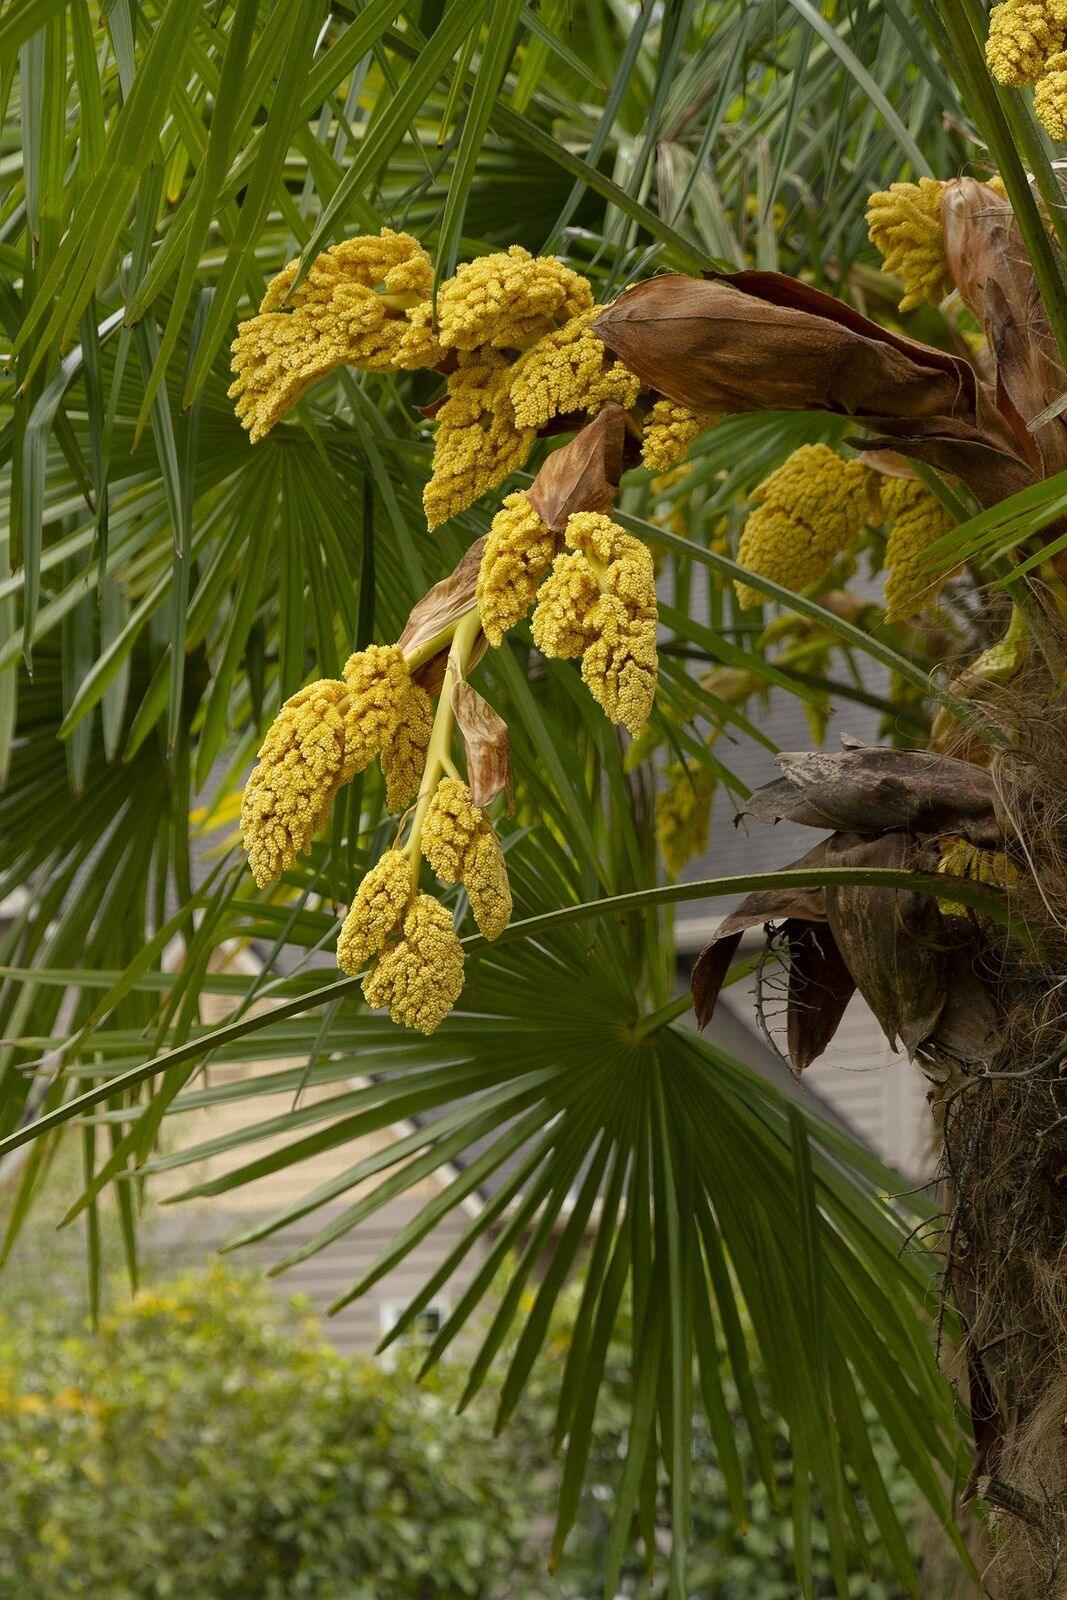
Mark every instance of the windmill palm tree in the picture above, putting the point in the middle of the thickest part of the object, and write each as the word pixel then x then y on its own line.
pixel 171 586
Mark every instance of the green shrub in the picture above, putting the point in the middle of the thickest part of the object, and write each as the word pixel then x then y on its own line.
pixel 205 1445
pixel 199 1446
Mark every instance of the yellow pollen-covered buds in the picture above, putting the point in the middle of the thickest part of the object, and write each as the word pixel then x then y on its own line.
pixel 299 770
pixel 668 432
pixel 567 372
pixel 508 300
pixel 419 973
pixel 1050 96
pixel 518 552
pixel 459 843
pixel 808 512
pixel 918 518
pixel 322 736
pixel 404 755
pixel 1022 37
pixel 905 226
pixel 599 602
pixel 381 901
pixel 364 303
pixel 683 814
pixel 478 441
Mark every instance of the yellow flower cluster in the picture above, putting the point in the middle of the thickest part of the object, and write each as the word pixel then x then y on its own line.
pixel 518 552
pixel 1050 96
pixel 459 843
pixel 299 770
pixel 959 859
pixel 320 739
pixel 904 224
pixel 419 973
pixel 364 303
pixel 683 814
pixel 478 441
pixel 1022 36
pixel 599 602
pixel 566 372
pixel 807 513
pixel 1026 45
pixel 381 901
pixel 669 430
pixel 508 300
pixel 917 518
pixel 404 755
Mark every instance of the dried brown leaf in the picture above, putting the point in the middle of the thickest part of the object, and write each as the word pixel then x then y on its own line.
pixel 584 474
pixel 763 905
pixel 891 939
pixel 759 341
pixel 820 988
pixel 874 790
pixel 442 605
pixel 485 739
pixel 435 613
pixel 992 271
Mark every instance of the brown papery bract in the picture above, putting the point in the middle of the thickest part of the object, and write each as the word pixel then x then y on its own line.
pixel 759 341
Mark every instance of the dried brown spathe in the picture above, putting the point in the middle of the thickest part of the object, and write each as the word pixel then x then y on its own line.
pixel 759 341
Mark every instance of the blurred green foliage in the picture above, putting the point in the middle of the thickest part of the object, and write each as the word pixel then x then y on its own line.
pixel 206 1443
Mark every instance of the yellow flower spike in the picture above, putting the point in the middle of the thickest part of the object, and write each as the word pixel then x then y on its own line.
pixel 599 602
pixel 301 765
pixel 508 300
pixel 381 901
pixel 917 518
pixel 568 371
pixel 478 442
pixel 668 432
pixel 904 225
pixel 322 736
pixel 404 754
pixel 418 976
pixel 559 624
pixel 683 814
pixel 621 665
pixel 1022 37
pixel 458 841
pixel 485 878
pixel 807 513
pixel 363 303
pixel 518 552
pixel 1050 97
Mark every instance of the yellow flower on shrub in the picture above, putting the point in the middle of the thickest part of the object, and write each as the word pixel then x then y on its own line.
pixel 807 513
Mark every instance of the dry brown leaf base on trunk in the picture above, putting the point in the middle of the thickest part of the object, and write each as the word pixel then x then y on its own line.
pixel 986 1022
